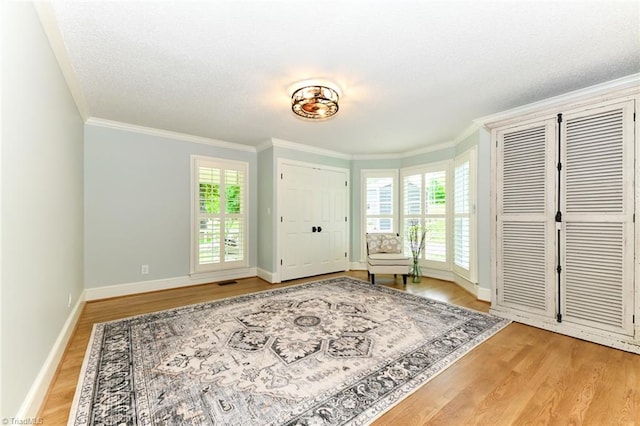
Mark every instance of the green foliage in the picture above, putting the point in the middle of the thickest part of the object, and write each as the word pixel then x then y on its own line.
pixel 210 198
pixel 440 193
pixel 416 236
pixel 233 198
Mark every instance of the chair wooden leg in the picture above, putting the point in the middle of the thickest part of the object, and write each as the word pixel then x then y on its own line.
pixel 373 278
pixel 404 279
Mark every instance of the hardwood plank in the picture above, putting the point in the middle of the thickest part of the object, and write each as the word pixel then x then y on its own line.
pixel 522 375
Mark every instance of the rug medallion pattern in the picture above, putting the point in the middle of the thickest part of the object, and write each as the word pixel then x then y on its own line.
pixel 331 352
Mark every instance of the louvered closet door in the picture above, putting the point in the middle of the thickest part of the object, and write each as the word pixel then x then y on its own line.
pixel 598 165
pixel 525 226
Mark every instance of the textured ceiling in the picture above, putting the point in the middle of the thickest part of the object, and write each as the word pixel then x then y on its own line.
pixel 412 74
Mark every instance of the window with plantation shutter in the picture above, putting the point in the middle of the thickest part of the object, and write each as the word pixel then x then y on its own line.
pixel 464 215
pixel 219 237
pixel 379 200
pixel 424 203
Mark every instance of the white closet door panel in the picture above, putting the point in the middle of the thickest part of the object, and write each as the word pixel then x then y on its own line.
pixel 597 239
pixel 524 171
pixel 525 225
pixel 594 163
pixel 523 266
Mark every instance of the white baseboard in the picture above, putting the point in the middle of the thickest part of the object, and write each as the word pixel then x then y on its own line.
pixel 40 386
pixel 438 274
pixel 358 266
pixel 126 289
pixel 465 284
pixel 626 343
pixel 271 277
pixel 484 294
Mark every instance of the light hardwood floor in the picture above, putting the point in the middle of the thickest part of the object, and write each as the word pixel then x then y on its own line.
pixel 522 375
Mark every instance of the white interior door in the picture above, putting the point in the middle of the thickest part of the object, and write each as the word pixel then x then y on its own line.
pixel 313 221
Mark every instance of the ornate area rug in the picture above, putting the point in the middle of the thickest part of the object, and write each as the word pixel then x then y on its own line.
pixel 332 352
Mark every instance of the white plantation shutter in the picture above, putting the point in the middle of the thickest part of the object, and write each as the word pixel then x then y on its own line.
pixel 598 152
pixel 379 201
pixel 463 215
pixel 219 237
pixel 525 224
pixel 424 200
pixel 435 216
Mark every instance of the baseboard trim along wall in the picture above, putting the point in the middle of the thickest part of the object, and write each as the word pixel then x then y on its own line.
pixel 38 391
pixel 484 294
pixel 597 336
pixel 126 289
pixel 481 293
pixel 270 277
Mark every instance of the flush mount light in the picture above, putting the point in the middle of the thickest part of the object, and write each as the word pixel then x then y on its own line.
pixel 315 102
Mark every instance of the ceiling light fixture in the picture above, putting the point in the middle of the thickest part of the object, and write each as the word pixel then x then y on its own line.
pixel 315 102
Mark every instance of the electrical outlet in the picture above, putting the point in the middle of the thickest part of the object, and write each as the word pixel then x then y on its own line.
pixel 144 269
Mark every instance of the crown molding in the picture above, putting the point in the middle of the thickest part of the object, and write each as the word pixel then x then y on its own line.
pixel 99 122
pixel 49 24
pixel 264 145
pixel 425 150
pixel 613 88
pixel 280 143
pixel 466 133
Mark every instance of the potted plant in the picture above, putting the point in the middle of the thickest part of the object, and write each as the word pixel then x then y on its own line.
pixel 416 235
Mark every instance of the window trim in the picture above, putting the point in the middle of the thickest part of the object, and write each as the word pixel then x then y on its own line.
pixel 224 164
pixel 471 273
pixel 395 202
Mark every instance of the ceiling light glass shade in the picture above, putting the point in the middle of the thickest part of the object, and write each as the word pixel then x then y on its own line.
pixel 314 102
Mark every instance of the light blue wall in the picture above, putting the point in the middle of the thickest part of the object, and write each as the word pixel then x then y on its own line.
pixel 138 204
pixel 41 190
pixel 429 157
pixel 266 210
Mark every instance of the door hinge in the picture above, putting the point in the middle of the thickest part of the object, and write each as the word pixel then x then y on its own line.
pixel 496 143
pixel 559 166
pixel 559 118
pixel 558 216
pixel 559 269
pixel 559 317
pixel 633 319
pixel 634 116
pixel 280 262
pixel 281 219
pixel 345 254
pixel 345 218
pixel 281 175
pixel 345 183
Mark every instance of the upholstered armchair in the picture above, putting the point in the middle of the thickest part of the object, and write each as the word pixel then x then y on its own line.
pixel 384 256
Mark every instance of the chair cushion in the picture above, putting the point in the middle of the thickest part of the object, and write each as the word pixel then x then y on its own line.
pixel 384 243
pixel 388 259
